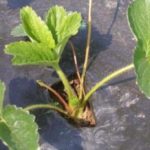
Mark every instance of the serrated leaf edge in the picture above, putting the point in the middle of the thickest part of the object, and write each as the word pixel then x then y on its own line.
pixel 33 120
pixel 36 63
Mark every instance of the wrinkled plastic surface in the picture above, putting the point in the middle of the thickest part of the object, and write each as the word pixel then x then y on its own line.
pixel 122 112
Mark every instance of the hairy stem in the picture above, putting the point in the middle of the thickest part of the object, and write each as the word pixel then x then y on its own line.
pixel 87 49
pixel 44 106
pixel 105 80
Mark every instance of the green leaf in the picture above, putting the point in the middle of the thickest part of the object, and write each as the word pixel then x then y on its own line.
pixel 35 27
pixel 26 53
pixel 18 31
pixel 62 24
pixel 19 131
pixel 6 137
pixel 2 91
pixel 71 25
pixel 47 40
pixel 139 19
pixel 55 18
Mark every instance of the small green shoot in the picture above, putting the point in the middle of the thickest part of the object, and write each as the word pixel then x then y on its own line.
pixel 48 39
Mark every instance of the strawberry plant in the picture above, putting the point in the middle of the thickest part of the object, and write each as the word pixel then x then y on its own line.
pixel 48 39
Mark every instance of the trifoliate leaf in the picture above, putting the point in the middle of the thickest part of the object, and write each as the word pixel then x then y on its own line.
pixel 26 53
pixel 139 19
pixel 62 24
pixel 35 27
pixel 18 31
pixel 2 91
pixel 19 130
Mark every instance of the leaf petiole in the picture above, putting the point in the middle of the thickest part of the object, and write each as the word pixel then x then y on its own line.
pixel 64 80
pixel 72 98
pixel 105 80
pixel 75 60
pixel 87 49
pixel 60 98
pixel 44 106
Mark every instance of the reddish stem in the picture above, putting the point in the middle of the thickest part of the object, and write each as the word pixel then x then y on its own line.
pixel 60 98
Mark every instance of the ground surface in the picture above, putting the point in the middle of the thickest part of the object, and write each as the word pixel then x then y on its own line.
pixel 123 114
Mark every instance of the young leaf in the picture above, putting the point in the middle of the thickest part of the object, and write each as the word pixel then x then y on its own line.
pixel 55 17
pixel 71 25
pixel 2 91
pixel 36 28
pixel 62 24
pixel 139 19
pixel 26 53
pixel 18 31
pixel 19 131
